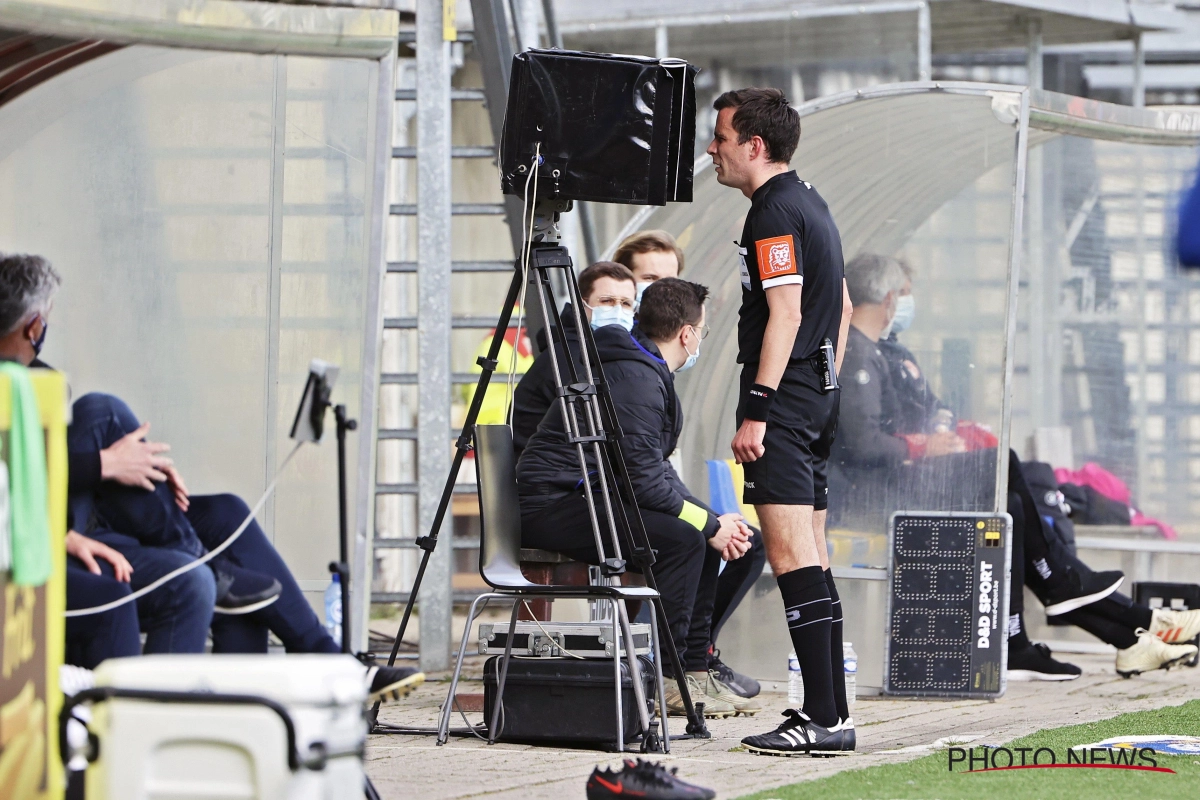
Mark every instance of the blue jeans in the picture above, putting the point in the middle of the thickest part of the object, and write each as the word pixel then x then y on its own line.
pixel 156 523
pixel 290 617
pixel 111 634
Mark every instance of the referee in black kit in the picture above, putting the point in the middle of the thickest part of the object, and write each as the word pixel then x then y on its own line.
pixel 793 320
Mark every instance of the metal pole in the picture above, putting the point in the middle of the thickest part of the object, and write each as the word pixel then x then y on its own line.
pixel 433 320
pixel 661 44
pixel 1040 305
pixel 526 23
pixel 1015 249
pixel 924 44
pixel 1139 72
pixel 343 565
pixel 364 502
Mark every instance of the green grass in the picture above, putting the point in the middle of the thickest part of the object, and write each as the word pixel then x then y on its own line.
pixel 928 777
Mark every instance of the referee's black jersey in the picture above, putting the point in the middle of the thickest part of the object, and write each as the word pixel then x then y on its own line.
pixel 790 237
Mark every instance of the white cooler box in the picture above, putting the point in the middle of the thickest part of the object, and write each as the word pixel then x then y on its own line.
pixel 171 750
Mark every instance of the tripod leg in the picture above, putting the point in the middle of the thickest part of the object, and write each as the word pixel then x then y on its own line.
pixel 493 729
pixel 488 366
pixel 696 726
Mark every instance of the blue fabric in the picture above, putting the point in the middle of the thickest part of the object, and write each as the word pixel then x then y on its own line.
pixel 155 522
pixel 291 618
pixel 721 494
pixel 112 634
pixel 1188 244
pixel 174 617
pixel 98 421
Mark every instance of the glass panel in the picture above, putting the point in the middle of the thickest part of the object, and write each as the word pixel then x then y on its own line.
pixel 927 178
pixel 208 214
pixel 1106 335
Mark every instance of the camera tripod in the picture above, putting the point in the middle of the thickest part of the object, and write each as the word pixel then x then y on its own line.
pixel 592 427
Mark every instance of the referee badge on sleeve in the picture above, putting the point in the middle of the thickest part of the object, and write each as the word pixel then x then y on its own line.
pixel 777 261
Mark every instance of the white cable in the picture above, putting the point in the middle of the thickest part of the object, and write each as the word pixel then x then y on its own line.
pixel 529 208
pixel 549 635
pixel 204 559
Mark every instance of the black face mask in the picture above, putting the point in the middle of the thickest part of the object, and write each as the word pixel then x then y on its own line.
pixel 41 340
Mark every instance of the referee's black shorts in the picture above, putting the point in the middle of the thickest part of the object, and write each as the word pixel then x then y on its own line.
pixel 793 470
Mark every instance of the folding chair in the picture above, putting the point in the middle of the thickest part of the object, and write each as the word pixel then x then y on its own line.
pixel 499 565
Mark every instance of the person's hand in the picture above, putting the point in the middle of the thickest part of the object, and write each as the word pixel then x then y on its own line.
pixel 732 538
pixel 945 443
pixel 748 441
pixel 135 462
pixel 178 487
pixel 88 550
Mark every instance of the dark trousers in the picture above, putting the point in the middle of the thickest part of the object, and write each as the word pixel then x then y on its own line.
pixel 735 582
pixel 156 534
pixel 1112 620
pixel 679 551
pixel 291 618
pixel 96 637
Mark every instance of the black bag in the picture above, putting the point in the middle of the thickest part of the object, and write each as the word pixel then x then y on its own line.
pixel 567 700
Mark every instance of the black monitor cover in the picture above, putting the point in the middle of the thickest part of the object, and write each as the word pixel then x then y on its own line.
pixel 611 128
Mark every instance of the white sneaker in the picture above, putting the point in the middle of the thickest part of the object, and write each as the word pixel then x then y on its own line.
pixel 1175 626
pixel 72 680
pixel 1151 653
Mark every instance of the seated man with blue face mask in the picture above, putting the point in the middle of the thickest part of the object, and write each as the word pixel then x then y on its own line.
pixel 638 367
pixel 607 289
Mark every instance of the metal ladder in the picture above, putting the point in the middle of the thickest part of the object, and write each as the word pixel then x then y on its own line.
pixel 436 595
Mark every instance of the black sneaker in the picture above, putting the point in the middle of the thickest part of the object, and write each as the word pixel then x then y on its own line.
pixel 739 684
pixel 643 779
pixel 392 683
pixel 1076 590
pixel 240 590
pixel 1033 663
pixel 798 735
pixel 849 740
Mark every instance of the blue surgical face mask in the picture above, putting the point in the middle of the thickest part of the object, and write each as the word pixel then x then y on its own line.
pixel 641 290
pixel 603 316
pixel 692 357
pixel 906 310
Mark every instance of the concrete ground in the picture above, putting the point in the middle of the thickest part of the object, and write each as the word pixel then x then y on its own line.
pixel 888 731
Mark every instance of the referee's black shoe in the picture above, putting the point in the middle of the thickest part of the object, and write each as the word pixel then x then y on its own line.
pixel 799 735
pixel 1076 590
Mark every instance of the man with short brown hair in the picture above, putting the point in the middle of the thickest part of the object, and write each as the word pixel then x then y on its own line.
pixel 794 314
pixel 650 256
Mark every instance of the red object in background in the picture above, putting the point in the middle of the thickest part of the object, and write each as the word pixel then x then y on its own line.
pixel 977 437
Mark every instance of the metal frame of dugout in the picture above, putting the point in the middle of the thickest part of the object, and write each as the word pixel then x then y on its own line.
pixel 303 214
pixel 881 206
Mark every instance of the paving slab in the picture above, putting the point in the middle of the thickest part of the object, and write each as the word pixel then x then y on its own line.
pixel 414 767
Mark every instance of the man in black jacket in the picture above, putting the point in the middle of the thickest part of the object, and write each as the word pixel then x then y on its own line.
pixel 638 367
pixel 607 289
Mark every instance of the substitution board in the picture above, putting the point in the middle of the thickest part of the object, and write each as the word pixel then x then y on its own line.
pixel 947 616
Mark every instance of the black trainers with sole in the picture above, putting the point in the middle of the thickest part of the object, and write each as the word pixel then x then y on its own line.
pixel 799 735
pixel 1076 590
pixel 392 683
pixel 739 684
pixel 643 779
pixel 241 590
pixel 1033 663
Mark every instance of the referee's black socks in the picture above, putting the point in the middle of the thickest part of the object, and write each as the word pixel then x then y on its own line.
pixel 836 662
pixel 810 619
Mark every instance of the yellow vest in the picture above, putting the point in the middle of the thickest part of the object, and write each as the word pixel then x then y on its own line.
pixel 494 410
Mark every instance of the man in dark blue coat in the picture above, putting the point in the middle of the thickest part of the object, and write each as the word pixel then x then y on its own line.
pixel 639 367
